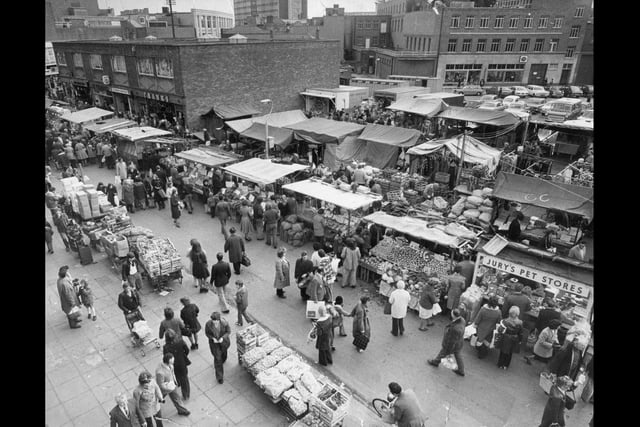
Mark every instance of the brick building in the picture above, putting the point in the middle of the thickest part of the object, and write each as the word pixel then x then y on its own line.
pixel 364 33
pixel 187 78
pixel 261 9
pixel 584 75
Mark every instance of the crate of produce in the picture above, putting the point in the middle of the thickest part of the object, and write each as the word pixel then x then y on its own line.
pixel 176 263
pixel 442 177
pixel 393 196
pixel 330 405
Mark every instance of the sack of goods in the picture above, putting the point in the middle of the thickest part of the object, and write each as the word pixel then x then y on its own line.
pixel 270 345
pixel 285 225
pixel 252 356
pixel 295 401
pixel 273 382
pixel 474 200
pixel 471 213
pixel 265 363
pixel 281 353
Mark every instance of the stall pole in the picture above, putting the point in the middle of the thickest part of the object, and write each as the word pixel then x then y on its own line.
pixel 526 129
pixel 349 223
pixel 464 141
pixel 266 127
pixel 475 270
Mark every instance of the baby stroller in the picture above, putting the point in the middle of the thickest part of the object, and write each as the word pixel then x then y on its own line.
pixel 141 333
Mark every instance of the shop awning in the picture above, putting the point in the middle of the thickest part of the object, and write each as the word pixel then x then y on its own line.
pixel 420 106
pixel 414 227
pixel 575 199
pixel 139 133
pixel 487 117
pixel 474 151
pixel 279 119
pixel 262 171
pixel 108 125
pixel 323 131
pixel 390 135
pixel 233 111
pixel 329 193
pixel 87 115
pixel 319 95
pixel 206 157
pixel 281 137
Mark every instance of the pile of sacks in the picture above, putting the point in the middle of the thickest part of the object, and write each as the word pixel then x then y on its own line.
pixel 478 206
pixel 297 234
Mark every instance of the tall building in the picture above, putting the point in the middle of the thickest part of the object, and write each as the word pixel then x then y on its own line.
pixel 261 9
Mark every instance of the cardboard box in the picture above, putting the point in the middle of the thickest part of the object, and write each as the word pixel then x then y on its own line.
pixel 106 207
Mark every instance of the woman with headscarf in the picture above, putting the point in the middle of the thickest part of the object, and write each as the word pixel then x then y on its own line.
pixel 282 279
pixel 81 153
pixel 302 272
pixel 361 327
pixel 199 266
pixel 324 336
pixel 246 225
pixel 112 192
pixel 127 194
pixel 189 315
pixel 511 337
pixel 547 340
pixel 148 397
pixel 174 201
pixel 485 322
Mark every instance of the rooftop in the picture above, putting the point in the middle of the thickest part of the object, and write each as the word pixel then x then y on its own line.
pixel 181 42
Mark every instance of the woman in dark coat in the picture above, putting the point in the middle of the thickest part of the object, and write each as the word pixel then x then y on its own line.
pixel 189 315
pixel 111 194
pixel 427 300
pixel 554 409
pixel 511 337
pixel 258 218
pixel 176 346
pixel 485 323
pixel 159 195
pixel 324 333
pixel 361 327
pixel 175 207
pixel 568 359
pixel 199 266
pixel 302 271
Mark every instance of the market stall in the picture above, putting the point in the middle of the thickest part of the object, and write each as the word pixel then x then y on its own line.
pixel 426 107
pixel 384 143
pixel 278 119
pixel 289 380
pixel 108 125
pixel 129 140
pixel 343 196
pixel 87 115
pixel 321 131
pixel 258 132
pixel 262 171
pixel 203 159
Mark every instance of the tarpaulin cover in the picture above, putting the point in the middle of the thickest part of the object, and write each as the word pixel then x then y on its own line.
pixel 381 156
pixel 390 135
pixel 129 150
pixel 281 137
pixel 108 125
pixel 414 227
pixel 206 157
pixel 427 107
pixel 487 117
pixel 279 119
pixel 262 171
pixel 87 115
pixel 228 112
pixel 138 133
pixel 575 199
pixel 351 149
pixel 329 193
pixel 474 151
pixel 322 131
pixel 406 90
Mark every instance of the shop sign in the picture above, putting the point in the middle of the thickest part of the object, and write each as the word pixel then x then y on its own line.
pixel 105 80
pixel 118 90
pixel 156 96
pixel 547 279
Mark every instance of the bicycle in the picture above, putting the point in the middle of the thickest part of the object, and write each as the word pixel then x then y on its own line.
pixel 384 409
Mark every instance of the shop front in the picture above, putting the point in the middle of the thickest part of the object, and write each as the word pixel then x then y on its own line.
pixel 102 96
pixel 122 100
pixel 161 104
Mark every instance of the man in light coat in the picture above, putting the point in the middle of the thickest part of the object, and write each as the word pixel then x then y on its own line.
pixel 166 379
pixel 68 298
pixel 399 300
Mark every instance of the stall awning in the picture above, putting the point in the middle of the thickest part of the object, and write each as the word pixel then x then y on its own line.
pixel 165 141
pixel 487 117
pixel 262 171
pixel 414 227
pixel 233 111
pixel 323 131
pixel 319 95
pixel 405 90
pixel 420 106
pixel 139 133
pixel 474 151
pixel 329 193
pixel 87 115
pixel 279 119
pixel 108 125
pixel 281 137
pixel 206 157
pixel 349 150
pixel 390 135
pixel 573 199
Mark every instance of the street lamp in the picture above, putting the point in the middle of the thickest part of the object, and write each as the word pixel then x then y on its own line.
pixel 266 126
pixel 376 70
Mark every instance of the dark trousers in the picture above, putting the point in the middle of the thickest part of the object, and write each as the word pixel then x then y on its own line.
pixel 504 359
pixel 272 234
pixel 303 294
pixel 187 202
pixel 236 267
pixel 324 357
pixel 243 313
pixel 279 292
pixel 456 354
pixel 49 242
pixel 160 204
pixel 483 350
pixel 397 324
pixel 219 357
pixel 183 382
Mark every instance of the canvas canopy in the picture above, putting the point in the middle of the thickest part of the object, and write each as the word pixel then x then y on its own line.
pixel 323 131
pixel 427 107
pixel 206 157
pixel 140 133
pixel 279 119
pixel 281 137
pixel 414 227
pixel 405 90
pixel 573 199
pixel 87 115
pixel 349 150
pixel 474 151
pixel 487 117
pixel 262 171
pixel 329 193
pixel 383 143
pixel 108 125
pixel 232 111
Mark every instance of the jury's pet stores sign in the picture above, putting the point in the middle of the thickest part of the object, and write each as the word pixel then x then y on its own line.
pixel 536 275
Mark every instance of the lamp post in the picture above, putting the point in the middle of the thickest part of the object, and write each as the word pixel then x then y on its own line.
pixel 266 126
pixel 376 70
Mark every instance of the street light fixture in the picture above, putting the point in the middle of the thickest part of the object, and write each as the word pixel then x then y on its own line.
pixel 266 126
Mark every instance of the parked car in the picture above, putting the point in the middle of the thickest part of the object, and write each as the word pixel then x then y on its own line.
pixel 491 97
pixel 539 91
pixel 499 91
pixel 519 90
pixel 572 91
pixel 587 90
pixel 564 109
pixel 470 90
pixel 556 92
pixel 492 105
pixel 512 99
pixel 585 119
pixel 477 102
pixel 534 105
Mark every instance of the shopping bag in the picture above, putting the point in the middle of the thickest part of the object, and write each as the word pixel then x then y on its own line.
pixel 313 333
pixel 387 308
pixel 169 386
pixel 245 260
pixel 117 180
pixel 116 200
pixel 546 381
pixel 361 341
pixel 436 309
pixel 312 309
pixel 450 362
pixel 474 340
pixel 469 331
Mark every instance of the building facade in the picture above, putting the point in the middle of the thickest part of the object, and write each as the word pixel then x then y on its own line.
pixel 186 79
pixel 584 75
pixel 283 9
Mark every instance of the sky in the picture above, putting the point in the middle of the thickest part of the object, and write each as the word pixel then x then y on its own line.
pixel 316 7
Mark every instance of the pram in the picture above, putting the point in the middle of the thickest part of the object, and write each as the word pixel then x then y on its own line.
pixel 141 333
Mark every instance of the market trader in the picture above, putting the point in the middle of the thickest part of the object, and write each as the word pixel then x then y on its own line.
pixel 271 216
pixel 406 409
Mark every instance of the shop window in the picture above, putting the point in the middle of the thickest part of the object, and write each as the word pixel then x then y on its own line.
pixel 164 68
pixel 524 45
pixel 77 60
pixel 61 58
pixel 117 64
pixel 145 66
pixel 481 45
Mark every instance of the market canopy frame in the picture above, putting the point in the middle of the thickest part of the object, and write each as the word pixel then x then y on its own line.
pixel 278 119
pixel 139 133
pixel 103 126
pixel 414 227
pixel 281 137
pixel 486 117
pixel 324 131
pixel 474 151
pixel 206 157
pixel 574 199
pixel 427 107
pixel 262 171
pixel 329 193
pixel 232 111
pixel 87 115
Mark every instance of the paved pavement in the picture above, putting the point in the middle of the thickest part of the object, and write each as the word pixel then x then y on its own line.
pixel 88 366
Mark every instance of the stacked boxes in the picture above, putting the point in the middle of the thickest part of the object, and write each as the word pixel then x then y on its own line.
pixel 84 207
pixel 93 202
pixel 68 185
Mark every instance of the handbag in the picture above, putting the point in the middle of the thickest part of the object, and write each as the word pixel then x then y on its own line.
pixel 185 331
pixel 436 309
pixel 570 402
pixel 361 341
pixel 469 331
pixel 187 362
pixel 387 308
pixel 169 385
pixel 245 260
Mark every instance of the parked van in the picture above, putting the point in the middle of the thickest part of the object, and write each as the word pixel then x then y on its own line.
pixel 563 109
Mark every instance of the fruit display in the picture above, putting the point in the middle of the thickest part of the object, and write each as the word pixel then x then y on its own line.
pixel 253 356
pixel 273 382
pixel 270 345
pixel 158 254
pixel 281 353
pixel 407 257
pixel 265 363
pixel 311 420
